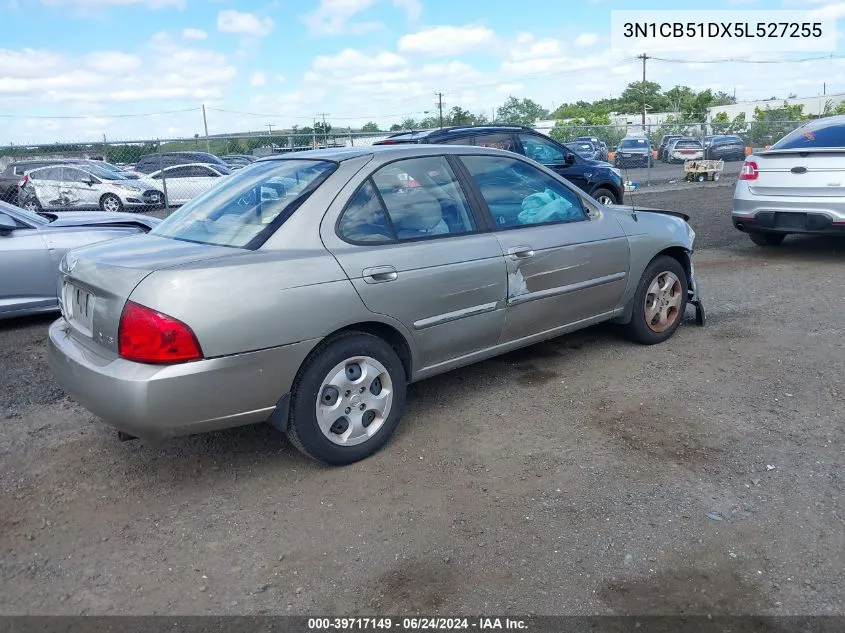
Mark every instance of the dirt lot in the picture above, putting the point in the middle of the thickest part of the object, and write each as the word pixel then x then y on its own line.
pixel 574 477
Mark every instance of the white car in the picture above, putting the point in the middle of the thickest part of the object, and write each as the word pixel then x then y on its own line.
pixel 684 149
pixel 78 186
pixel 184 182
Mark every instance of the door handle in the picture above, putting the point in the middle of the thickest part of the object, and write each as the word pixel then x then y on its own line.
pixel 520 252
pixel 379 274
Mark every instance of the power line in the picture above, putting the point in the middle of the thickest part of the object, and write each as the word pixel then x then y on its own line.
pixel 736 60
pixel 98 116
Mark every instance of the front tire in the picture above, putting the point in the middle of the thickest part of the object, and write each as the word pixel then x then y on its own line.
pixel 767 239
pixel 605 197
pixel 111 203
pixel 659 302
pixel 347 399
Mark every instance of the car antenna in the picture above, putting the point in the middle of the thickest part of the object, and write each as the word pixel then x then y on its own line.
pixel 630 194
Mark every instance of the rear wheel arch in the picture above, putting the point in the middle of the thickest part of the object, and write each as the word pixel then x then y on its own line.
pixel 389 335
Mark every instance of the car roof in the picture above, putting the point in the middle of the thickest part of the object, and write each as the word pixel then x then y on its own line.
pixel 384 152
pixel 458 129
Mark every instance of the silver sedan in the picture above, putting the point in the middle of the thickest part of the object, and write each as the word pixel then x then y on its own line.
pixel 309 290
pixel 33 244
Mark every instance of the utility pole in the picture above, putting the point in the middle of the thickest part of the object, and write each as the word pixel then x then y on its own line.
pixel 205 125
pixel 325 131
pixel 439 96
pixel 270 128
pixel 824 88
pixel 643 57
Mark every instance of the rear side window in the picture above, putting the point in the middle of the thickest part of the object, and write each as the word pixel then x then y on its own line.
pixel 248 207
pixel 409 199
pixel 814 135
pixel 497 140
pixel 47 173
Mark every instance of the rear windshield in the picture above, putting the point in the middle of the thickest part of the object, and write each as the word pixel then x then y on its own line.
pixel 687 145
pixel 633 142
pixel 816 134
pixel 243 210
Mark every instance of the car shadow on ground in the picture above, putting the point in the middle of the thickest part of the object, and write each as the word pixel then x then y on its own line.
pixel 26 322
pixel 803 248
pixel 260 447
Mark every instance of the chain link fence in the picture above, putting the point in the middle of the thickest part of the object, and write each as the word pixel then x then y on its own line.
pixel 162 175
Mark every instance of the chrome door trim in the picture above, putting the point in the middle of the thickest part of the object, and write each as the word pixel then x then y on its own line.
pixel 454 316
pixel 561 290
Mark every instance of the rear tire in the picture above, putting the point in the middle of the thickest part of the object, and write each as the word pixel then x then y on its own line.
pixel 111 203
pixel 659 302
pixel 334 442
pixel 767 239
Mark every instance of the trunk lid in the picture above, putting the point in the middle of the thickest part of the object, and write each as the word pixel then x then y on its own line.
pixel 95 281
pixel 813 174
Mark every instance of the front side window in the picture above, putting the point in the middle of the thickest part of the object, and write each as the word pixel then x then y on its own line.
pixel 245 209
pixel 405 200
pixel 519 194
pixel 542 150
pixel 74 175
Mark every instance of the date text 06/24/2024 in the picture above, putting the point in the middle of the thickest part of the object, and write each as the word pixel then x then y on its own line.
pixel 417 624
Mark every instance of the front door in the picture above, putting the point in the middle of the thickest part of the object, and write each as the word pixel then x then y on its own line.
pixel 566 263
pixel 77 189
pixel 33 282
pixel 555 157
pixel 410 243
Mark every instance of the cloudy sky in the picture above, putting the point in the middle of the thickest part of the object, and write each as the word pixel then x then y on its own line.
pixel 280 62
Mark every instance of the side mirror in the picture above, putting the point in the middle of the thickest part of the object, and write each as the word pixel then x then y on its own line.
pixel 7 224
pixel 569 160
pixel 91 182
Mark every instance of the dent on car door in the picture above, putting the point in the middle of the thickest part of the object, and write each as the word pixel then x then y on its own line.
pixel 410 243
pixel 75 191
pixel 46 185
pixel 34 283
pixel 566 262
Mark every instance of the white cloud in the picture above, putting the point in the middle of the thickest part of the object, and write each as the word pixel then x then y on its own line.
pixel 526 48
pixel 828 12
pixel 258 79
pixel 278 78
pixel 351 60
pixel 587 39
pixel 194 34
pixel 334 17
pixel 446 40
pixel 112 62
pixel 238 22
pixel 99 4
pixel 511 88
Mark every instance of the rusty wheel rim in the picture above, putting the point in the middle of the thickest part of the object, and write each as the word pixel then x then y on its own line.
pixel 663 302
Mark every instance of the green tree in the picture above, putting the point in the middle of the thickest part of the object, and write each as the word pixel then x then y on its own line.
pixel 395 128
pixel 322 129
pixel 370 127
pixel 721 124
pixel 520 111
pixel 637 93
pixel 408 124
pixel 770 124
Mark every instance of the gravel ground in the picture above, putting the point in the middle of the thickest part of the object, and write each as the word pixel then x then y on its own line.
pixel 585 475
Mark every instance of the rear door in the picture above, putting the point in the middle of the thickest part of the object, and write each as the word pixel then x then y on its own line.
pixel 178 183
pixel 33 283
pixel 415 250
pixel 566 263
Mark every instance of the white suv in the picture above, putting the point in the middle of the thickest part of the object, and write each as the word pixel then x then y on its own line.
pixel 76 186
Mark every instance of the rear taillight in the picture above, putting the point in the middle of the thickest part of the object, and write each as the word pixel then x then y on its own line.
pixel 23 181
pixel 147 336
pixel 749 171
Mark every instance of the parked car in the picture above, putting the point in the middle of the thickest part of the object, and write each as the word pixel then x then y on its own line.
pixel 184 182
pixel 313 287
pixel 683 149
pixel 584 149
pixel 238 161
pixel 33 244
pixel 148 163
pixel 794 187
pixel 79 186
pixel 601 180
pixel 599 144
pixel 663 148
pixel 10 178
pixel 633 151
pixel 725 147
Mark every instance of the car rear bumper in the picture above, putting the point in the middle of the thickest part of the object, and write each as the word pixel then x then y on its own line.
pixel 168 400
pixel 788 215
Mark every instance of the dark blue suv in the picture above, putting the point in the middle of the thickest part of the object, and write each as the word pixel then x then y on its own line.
pixel 599 179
